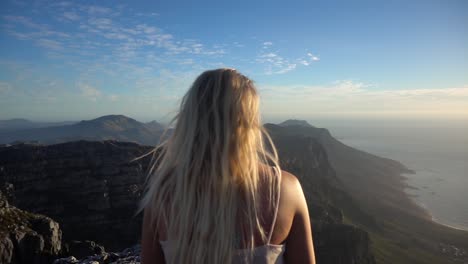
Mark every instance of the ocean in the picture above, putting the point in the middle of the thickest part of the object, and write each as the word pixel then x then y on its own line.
pixel 437 150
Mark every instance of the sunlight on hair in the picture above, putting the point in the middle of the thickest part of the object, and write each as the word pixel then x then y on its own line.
pixel 204 177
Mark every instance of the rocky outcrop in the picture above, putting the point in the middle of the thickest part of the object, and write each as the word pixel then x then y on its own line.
pixel 92 189
pixel 129 255
pixel 82 249
pixel 27 238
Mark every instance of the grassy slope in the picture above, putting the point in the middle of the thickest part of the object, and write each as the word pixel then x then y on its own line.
pixel 404 244
pixel 406 234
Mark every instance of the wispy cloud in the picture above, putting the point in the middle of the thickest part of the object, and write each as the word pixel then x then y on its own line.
pixel 72 16
pixel 100 32
pixel 50 44
pixel 267 44
pixel 89 92
pixel 238 45
pixel 99 10
pixel 5 87
pixel 313 57
pixel 113 97
pixel 275 64
pixel 346 97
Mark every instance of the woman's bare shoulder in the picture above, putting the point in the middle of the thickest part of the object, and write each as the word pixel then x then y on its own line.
pixel 289 181
pixel 299 239
pixel 291 190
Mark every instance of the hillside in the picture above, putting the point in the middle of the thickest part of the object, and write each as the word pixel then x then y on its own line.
pixel 21 124
pixel 406 232
pixel 111 127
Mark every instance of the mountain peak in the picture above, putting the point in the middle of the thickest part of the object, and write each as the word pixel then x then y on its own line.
pixel 295 122
pixel 112 122
pixel 111 118
pixel 154 125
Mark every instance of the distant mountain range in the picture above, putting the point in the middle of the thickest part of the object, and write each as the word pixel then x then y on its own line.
pixel 19 124
pixel 110 127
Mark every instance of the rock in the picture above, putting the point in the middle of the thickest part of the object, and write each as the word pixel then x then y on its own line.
pixel 90 188
pixel 50 229
pixel 69 260
pixel 82 249
pixel 127 256
pixel 30 247
pixel 6 250
pixel 27 238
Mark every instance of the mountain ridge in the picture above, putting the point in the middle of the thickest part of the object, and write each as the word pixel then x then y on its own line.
pixel 22 123
pixel 109 127
pixel 295 122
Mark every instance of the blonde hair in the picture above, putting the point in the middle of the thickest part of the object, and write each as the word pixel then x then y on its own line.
pixel 205 176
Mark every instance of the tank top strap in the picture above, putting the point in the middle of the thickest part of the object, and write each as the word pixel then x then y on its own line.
pixel 278 174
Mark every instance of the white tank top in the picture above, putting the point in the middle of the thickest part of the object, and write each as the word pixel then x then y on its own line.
pixel 266 254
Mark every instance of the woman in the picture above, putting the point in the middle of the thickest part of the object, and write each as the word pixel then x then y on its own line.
pixel 213 196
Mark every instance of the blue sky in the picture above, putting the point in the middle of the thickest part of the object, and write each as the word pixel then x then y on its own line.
pixel 330 59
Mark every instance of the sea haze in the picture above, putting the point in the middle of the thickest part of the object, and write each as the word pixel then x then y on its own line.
pixel 437 150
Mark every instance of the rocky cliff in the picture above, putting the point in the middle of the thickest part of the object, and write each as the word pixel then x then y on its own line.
pixel 25 237
pixel 92 188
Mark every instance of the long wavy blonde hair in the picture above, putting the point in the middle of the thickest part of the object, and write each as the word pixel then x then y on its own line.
pixel 205 178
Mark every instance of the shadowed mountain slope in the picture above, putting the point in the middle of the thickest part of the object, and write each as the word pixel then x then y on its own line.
pixel 111 127
pixel 20 123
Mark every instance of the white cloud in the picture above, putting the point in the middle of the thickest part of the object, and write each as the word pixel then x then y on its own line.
pixel 50 44
pixel 147 29
pixel 113 97
pixel 313 57
pixel 269 55
pixel 5 87
pixel 304 62
pixel 89 91
pixel 71 16
pixel 101 23
pixel 25 21
pixel 345 98
pixel 129 38
pixel 238 45
pixel 275 64
pixel 98 10
pixel 153 14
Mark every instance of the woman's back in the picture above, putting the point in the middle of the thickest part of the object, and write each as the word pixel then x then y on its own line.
pixel 262 253
pixel 208 193
pixel 290 204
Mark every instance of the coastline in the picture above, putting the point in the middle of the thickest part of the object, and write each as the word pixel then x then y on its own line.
pixel 413 197
pixel 410 188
